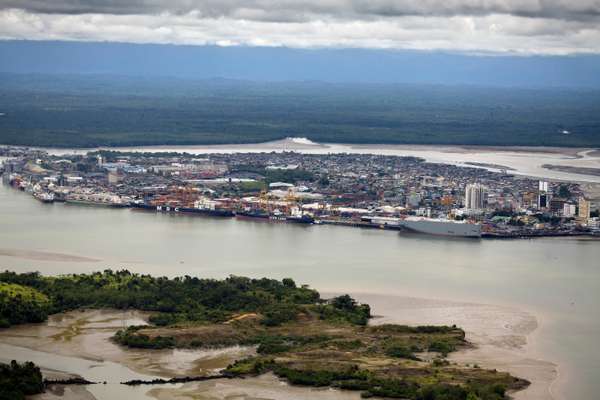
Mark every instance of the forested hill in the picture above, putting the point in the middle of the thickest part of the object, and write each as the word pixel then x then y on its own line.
pixel 102 110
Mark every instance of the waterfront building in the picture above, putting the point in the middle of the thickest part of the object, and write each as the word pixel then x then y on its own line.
pixel 475 197
pixel 569 210
pixel 557 205
pixel 584 210
pixel 543 195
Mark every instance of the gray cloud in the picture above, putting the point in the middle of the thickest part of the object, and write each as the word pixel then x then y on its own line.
pixel 288 10
pixel 497 26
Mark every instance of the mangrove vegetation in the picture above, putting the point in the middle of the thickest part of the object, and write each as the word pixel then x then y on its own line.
pixel 297 335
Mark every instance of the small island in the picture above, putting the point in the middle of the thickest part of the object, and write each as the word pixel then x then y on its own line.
pixel 298 336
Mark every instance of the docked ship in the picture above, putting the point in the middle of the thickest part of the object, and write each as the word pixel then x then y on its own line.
pixel 300 219
pixel 44 197
pixel 252 213
pixel 96 199
pixel 430 226
pixel 296 216
pixel 200 208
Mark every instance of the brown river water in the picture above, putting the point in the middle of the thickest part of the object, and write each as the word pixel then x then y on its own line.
pixel 529 305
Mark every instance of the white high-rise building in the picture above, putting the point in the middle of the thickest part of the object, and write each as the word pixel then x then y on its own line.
pixel 543 195
pixel 474 197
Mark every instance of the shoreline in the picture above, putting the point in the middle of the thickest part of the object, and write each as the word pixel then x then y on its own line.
pixel 496 345
pixel 504 336
pixel 40 255
pixel 509 156
pixel 304 143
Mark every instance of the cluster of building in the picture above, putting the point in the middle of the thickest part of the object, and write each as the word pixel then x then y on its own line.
pixel 352 189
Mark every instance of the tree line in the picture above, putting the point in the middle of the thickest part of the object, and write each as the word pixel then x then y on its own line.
pixel 173 300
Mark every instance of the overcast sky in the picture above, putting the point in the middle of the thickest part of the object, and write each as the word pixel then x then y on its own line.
pixel 497 26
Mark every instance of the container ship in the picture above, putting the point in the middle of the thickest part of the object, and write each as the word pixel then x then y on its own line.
pixel 430 226
pixel 197 209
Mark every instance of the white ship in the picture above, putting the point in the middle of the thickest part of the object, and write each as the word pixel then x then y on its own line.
pixel 44 197
pixel 431 226
pixel 97 199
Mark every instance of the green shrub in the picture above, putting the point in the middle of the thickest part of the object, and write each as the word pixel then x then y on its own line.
pixel 395 388
pixel 273 348
pixel 319 377
pixel 442 346
pixel 20 380
pixel 30 297
pixel 21 304
pixel 400 352
pixel 442 392
pixel 130 337
pixel 249 366
pixel 163 319
pixel 278 314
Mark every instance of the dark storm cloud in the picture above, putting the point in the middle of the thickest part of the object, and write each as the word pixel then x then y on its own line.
pixel 286 10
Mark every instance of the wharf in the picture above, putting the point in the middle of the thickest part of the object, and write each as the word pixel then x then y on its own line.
pixel 531 235
pixel 357 224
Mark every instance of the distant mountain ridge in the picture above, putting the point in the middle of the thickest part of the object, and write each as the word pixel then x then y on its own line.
pixel 286 64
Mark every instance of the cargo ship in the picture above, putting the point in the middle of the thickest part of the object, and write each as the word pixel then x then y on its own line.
pixel 165 208
pixel 251 213
pixel 430 226
pixel 300 219
pixel 44 197
pixel 96 199
pixel 296 217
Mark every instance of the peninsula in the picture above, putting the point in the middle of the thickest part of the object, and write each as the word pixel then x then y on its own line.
pixel 297 335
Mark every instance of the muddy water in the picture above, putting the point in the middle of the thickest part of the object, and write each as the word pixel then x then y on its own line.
pixel 266 387
pixel 74 343
pixel 556 280
pixel 96 371
pixel 78 344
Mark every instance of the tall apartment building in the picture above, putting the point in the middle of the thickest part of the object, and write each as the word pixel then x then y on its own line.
pixel 474 197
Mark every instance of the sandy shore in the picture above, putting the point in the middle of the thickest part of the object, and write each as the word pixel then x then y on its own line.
pixel 526 160
pixel 500 336
pixel 594 153
pixel 591 190
pixel 265 387
pixel 44 256
pixel 470 149
pixel 300 143
pixel 573 170
pixel 56 392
